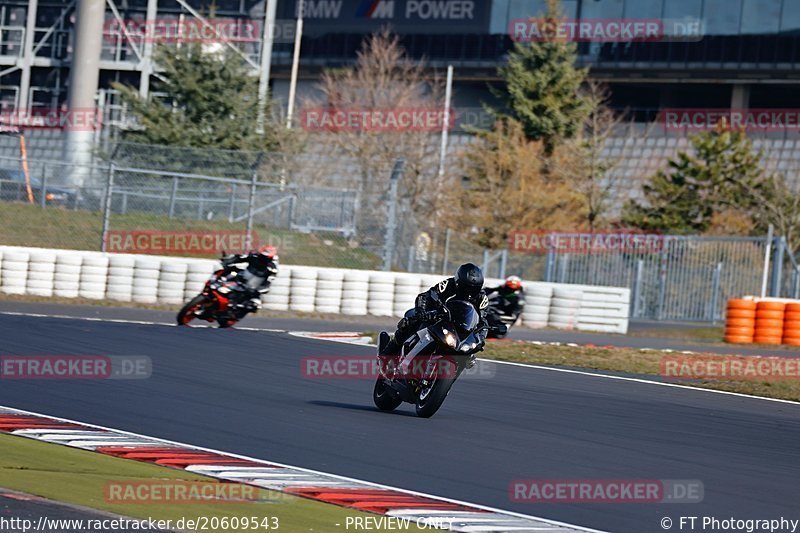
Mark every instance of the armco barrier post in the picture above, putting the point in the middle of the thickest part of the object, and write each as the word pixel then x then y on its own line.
pixel 232 204
pixel 43 191
pixel 173 196
pixel 550 262
pixel 662 279
pixel 251 204
pixel 107 205
pixel 795 283
pixel 391 223
pixel 446 255
pixel 637 290
pixel 777 266
pixel 716 279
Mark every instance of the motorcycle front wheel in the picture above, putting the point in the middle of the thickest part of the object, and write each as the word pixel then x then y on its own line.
pixel 187 312
pixel 432 397
pixel 383 397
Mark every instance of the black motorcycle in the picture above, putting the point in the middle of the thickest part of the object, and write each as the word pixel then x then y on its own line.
pixel 502 313
pixel 430 361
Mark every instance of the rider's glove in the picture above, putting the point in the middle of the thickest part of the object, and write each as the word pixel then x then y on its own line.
pixel 429 316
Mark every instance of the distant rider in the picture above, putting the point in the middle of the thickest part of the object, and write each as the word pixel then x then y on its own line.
pixel 467 285
pixel 508 298
pixel 254 271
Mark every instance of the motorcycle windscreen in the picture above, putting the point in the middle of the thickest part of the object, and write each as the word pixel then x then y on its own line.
pixel 463 314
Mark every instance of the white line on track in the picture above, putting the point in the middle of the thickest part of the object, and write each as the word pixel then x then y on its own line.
pixel 336 476
pixel 592 374
pixel 639 380
pixel 127 321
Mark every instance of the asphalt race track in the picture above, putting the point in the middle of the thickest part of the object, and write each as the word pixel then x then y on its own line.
pixel 243 392
pixel 373 323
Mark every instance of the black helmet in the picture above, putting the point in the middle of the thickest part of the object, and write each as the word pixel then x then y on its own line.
pixel 469 280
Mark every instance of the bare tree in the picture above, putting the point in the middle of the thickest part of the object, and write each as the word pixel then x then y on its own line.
pixel 384 84
pixel 776 202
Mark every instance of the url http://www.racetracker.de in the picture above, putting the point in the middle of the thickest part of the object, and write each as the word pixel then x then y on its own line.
pixel 747 525
pixel 44 524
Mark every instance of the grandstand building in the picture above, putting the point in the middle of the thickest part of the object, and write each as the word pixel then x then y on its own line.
pixel 735 54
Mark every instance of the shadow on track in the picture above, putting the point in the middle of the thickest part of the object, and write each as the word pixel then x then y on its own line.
pixel 357 407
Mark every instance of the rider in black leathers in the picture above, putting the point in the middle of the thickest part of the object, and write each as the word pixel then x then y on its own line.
pixel 255 271
pixel 467 285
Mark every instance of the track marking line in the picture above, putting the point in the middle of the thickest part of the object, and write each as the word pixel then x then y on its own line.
pixel 127 321
pixel 310 482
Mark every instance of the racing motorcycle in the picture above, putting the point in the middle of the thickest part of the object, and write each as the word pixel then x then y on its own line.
pixel 502 314
pixel 429 362
pixel 226 298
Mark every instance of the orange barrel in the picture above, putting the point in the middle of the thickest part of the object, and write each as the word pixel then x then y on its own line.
pixel 769 322
pixel 791 325
pixel 740 321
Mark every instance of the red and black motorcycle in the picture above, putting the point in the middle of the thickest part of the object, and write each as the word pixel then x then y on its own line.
pixel 230 294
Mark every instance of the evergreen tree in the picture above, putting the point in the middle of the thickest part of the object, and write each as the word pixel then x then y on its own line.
pixel 542 86
pixel 720 174
pixel 211 102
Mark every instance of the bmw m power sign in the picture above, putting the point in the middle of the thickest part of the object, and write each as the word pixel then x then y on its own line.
pixel 402 16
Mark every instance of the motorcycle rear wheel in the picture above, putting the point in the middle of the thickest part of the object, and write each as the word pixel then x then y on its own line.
pixel 383 397
pixel 187 312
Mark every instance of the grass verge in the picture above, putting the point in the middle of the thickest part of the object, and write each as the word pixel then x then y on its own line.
pixel 80 477
pixel 53 227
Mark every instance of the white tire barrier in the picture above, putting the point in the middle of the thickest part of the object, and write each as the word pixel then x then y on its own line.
pixel 328 298
pixel 380 296
pixel 120 277
pixel 41 274
pixel 151 279
pixel 145 280
pixel 67 274
pixel 172 281
pixel 564 308
pixel 604 309
pixel 94 276
pixel 536 312
pixel 406 289
pixel 355 292
pixel 303 289
pixel 14 273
